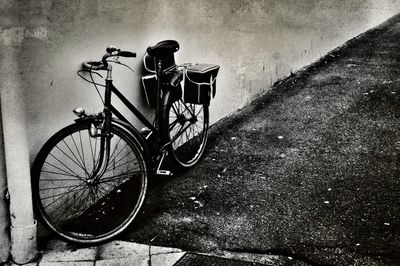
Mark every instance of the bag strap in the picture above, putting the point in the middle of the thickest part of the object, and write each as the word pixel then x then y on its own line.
pixel 200 83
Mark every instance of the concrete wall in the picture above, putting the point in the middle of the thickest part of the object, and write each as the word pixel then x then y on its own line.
pixel 255 42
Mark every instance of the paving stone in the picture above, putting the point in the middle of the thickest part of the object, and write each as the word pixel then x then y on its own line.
pixel 67 263
pixel 163 250
pixel 167 259
pixel 121 249
pixel 59 251
pixel 131 261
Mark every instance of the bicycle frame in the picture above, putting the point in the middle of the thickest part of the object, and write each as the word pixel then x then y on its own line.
pixel 160 148
pixel 111 88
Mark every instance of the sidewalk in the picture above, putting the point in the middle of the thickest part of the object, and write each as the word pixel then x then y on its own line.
pixel 119 253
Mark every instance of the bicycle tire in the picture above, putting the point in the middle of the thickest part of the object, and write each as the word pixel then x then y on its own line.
pixel 75 208
pixel 188 148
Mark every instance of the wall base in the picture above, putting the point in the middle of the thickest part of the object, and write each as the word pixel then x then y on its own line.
pixel 23 243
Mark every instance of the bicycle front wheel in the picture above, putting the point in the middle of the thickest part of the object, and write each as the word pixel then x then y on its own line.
pixel 79 203
pixel 186 125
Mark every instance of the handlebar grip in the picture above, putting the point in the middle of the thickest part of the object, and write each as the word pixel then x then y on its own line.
pixel 93 65
pixel 127 54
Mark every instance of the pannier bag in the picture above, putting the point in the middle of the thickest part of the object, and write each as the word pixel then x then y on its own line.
pixel 149 83
pixel 166 62
pixel 148 62
pixel 200 83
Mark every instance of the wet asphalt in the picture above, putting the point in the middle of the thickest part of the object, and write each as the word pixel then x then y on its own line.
pixel 309 171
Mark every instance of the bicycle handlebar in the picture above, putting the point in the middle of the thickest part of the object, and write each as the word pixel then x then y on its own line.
pixel 103 64
pixel 94 65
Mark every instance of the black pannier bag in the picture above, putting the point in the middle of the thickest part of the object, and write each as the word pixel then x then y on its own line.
pixel 200 83
pixel 149 83
pixel 148 62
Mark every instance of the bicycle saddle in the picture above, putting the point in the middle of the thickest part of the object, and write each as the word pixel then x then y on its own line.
pixel 163 48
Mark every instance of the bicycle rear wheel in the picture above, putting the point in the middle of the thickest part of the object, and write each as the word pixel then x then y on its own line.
pixel 74 202
pixel 187 125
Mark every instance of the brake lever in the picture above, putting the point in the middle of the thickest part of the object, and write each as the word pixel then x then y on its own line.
pixel 116 60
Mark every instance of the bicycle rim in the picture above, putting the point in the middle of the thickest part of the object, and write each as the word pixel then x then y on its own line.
pixel 188 123
pixel 77 206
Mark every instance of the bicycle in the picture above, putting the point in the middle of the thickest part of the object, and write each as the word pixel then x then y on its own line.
pixel 89 180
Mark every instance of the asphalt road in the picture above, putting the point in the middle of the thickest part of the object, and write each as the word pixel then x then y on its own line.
pixel 309 170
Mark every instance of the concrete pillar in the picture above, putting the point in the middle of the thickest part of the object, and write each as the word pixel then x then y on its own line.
pixel 23 225
pixel 4 214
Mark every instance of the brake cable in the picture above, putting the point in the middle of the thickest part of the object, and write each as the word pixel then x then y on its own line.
pixel 95 84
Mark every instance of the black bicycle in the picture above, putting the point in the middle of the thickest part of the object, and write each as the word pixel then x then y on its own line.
pixel 90 179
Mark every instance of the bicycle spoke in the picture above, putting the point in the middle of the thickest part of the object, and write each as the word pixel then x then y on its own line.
pixel 91 149
pixel 72 171
pixel 185 107
pixel 174 109
pixel 61 195
pixel 64 212
pixel 67 173
pixel 120 176
pixel 92 195
pixel 171 126
pixel 176 124
pixel 49 188
pixel 83 153
pixel 82 205
pixel 105 190
pixel 123 164
pixel 78 178
pixel 76 147
pixel 113 157
pixel 96 163
pixel 80 201
pixel 73 154
pixel 201 109
pixel 189 108
pixel 115 148
pixel 181 134
pixel 64 192
pixel 75 162
pixel 114 165
pixel 120 159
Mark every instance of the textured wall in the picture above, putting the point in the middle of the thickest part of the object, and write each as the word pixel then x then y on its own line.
pixel 255 42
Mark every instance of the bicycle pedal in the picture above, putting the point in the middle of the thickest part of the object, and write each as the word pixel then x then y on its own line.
pixel 164 172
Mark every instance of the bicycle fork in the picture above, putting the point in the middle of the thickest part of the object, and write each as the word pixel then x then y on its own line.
pixel 101 166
